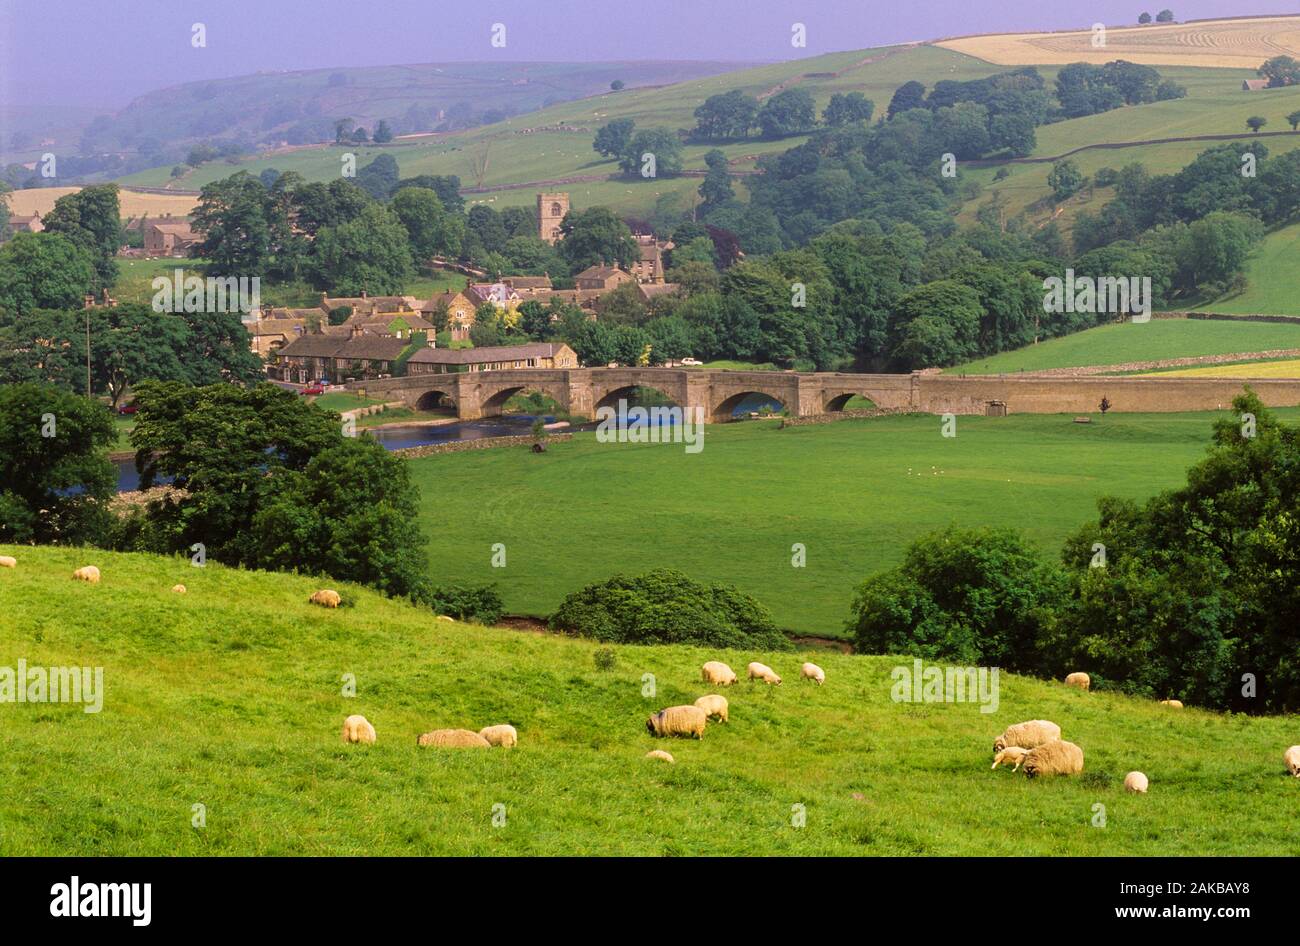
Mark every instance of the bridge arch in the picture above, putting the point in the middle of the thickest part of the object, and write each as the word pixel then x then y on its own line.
pixel 725 409
pixel 613 395
pixel 839 402
pixel 436 400
pixel 494 403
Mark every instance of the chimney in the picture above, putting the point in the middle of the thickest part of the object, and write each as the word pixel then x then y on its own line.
pixel 363 294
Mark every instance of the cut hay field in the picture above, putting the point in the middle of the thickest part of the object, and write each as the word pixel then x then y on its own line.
pixel 229 698
pixel 1126 342
pixel 586 510
pixel 1286 368
pixel 40 200
pixel 1237 42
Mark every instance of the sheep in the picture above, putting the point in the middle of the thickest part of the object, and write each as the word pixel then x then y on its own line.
pixel 8 561
pixel 1011 754
pixel 758 671
pixel 814 673
pixel 1027 735
pixel 717 673
pixel 179 589
pixel 87 573
pixel 1080 680
pixel 1054 758
pixel 326 598
pixel 453 739
pixel 503 735
pixel 660 754
pixel 1292 759
pixel 1176 704
pixel 358 729
pixel 713 705
pixel 1136 783
pixel 443 617
pixel 677 721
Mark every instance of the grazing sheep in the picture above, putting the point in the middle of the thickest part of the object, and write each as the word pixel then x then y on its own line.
pixel 179 589
pixel 660 754
pixel 358 729
pixel 1080 680
pixel 1292 759
pixel 1136 783
pixel 325 598
pixel 8 561
pixel 87 573
pixel 677 721
pixel 443 617
pixel 503 735
pixel 1027 735
pixel 718 673
pixel 758 671
pixel 1011 754
pixel 713 705
pixel 1176 704
pixel 453 739
pixel 814 673
pixel 1054 758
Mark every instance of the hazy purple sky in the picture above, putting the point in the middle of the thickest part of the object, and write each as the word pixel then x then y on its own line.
pixel 103 52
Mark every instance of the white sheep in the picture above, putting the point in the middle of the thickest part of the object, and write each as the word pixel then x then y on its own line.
pixel 1078 679
pixel 179 589
pixel 813 672
pixel 1176 704
pixel 1292 759
pixel 502 735
pixel 453 739
pixel 87 573
pixel 358 729
pixel 677 721
pixel 758 671
pixel 1011 754
pixel 660 754
pixel 1054 758
pixel 1027 735
pixel 717 673
pixel 326 598
pixel 713 705
pixel 8 561
pixel 1136 782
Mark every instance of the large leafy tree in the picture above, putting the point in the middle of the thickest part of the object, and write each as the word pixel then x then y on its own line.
pixel 232 214
pixel 596 235
pixel 791 112
pixel 379 177
pixel 369 253
pixel 612 139
pixel 846 107
pixel 55 477
pixel 431 230
pixel 43 270
pixel 663 144
pixel 91 219
pixel 1280 71
pixel 726 116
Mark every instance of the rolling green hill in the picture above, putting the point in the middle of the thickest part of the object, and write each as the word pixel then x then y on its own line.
pixel 1272 279
pixel 229 698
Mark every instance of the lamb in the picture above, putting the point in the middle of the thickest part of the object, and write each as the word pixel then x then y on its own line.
pixel 1027 735
pixel 8 561
pixel 713 705
pixel 1292 759
pixel 87 573
pixel 1011 754
pixel 358 729
pixel 677 721
pixel 814 673
pixel 660 754
pixel 1054 758
pixel 758 671
pixel 1176 704
pixel 1136 783
pixel 178 589
pixel 453 739
pixel 717 673
pixel 503 735
pixel 326 598
pixel 1080 680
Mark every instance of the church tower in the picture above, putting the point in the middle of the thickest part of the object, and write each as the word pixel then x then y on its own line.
pixel 551 209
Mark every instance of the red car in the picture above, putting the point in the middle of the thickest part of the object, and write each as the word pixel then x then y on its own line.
pixel 128 409
pixel 312 389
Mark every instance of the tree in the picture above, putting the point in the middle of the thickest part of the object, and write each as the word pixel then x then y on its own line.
pixel 612 139
pixel 379 177
pixel 383 133
pixel 596 235
pixel 55 476
pixel 935 325
pixel 907 96
pixel 661 144
pixel 343 128
pixel 618 85
pixel 43 270
pixel 430 230
pixel 847 107
pixel 91 219
pixel 232 215
pixel 1280 71
pixel 1293 120
pixel 791 112
pixel 1065 179
pixel 360 136
pixel 130 344
pixel 726 116
pixel 1144 19
pixel 446 186
pixel 1256 122
pixel 370 253
pixel 1165 16
pixel 716 189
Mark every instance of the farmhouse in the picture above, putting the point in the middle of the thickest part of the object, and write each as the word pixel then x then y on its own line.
pixel 30 223
pixel 460 312
pixel 1254 85
pixel 499 358
pixel 602 278
pixel 368 305
pixel 267 336
pixel 169 239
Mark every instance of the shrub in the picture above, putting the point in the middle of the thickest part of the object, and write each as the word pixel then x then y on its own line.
pixel 605 659
pixel 480 603
pixel 665 606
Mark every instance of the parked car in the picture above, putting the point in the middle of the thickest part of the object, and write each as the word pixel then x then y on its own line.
pixel 691 362
pixel 312 389
pixel 127 409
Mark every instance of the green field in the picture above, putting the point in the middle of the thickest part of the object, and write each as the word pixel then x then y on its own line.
pixel 585 510
pixel 1124 342
pixel 229 697
pixel 1272 276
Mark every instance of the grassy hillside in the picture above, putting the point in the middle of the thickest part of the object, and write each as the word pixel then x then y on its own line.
pixel 229 697
pixel 1273 279
pixel 586 510
pixel 1126 342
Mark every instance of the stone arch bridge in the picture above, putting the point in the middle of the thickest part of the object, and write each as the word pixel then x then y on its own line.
pixel 582 391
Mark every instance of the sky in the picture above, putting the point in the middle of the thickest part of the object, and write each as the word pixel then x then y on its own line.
pixel 102 53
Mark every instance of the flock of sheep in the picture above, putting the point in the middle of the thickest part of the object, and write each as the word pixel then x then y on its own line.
pixel 1035 744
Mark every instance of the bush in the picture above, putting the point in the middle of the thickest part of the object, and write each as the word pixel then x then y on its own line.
pixel 480 603
pixel 605 659
pixel 665 606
